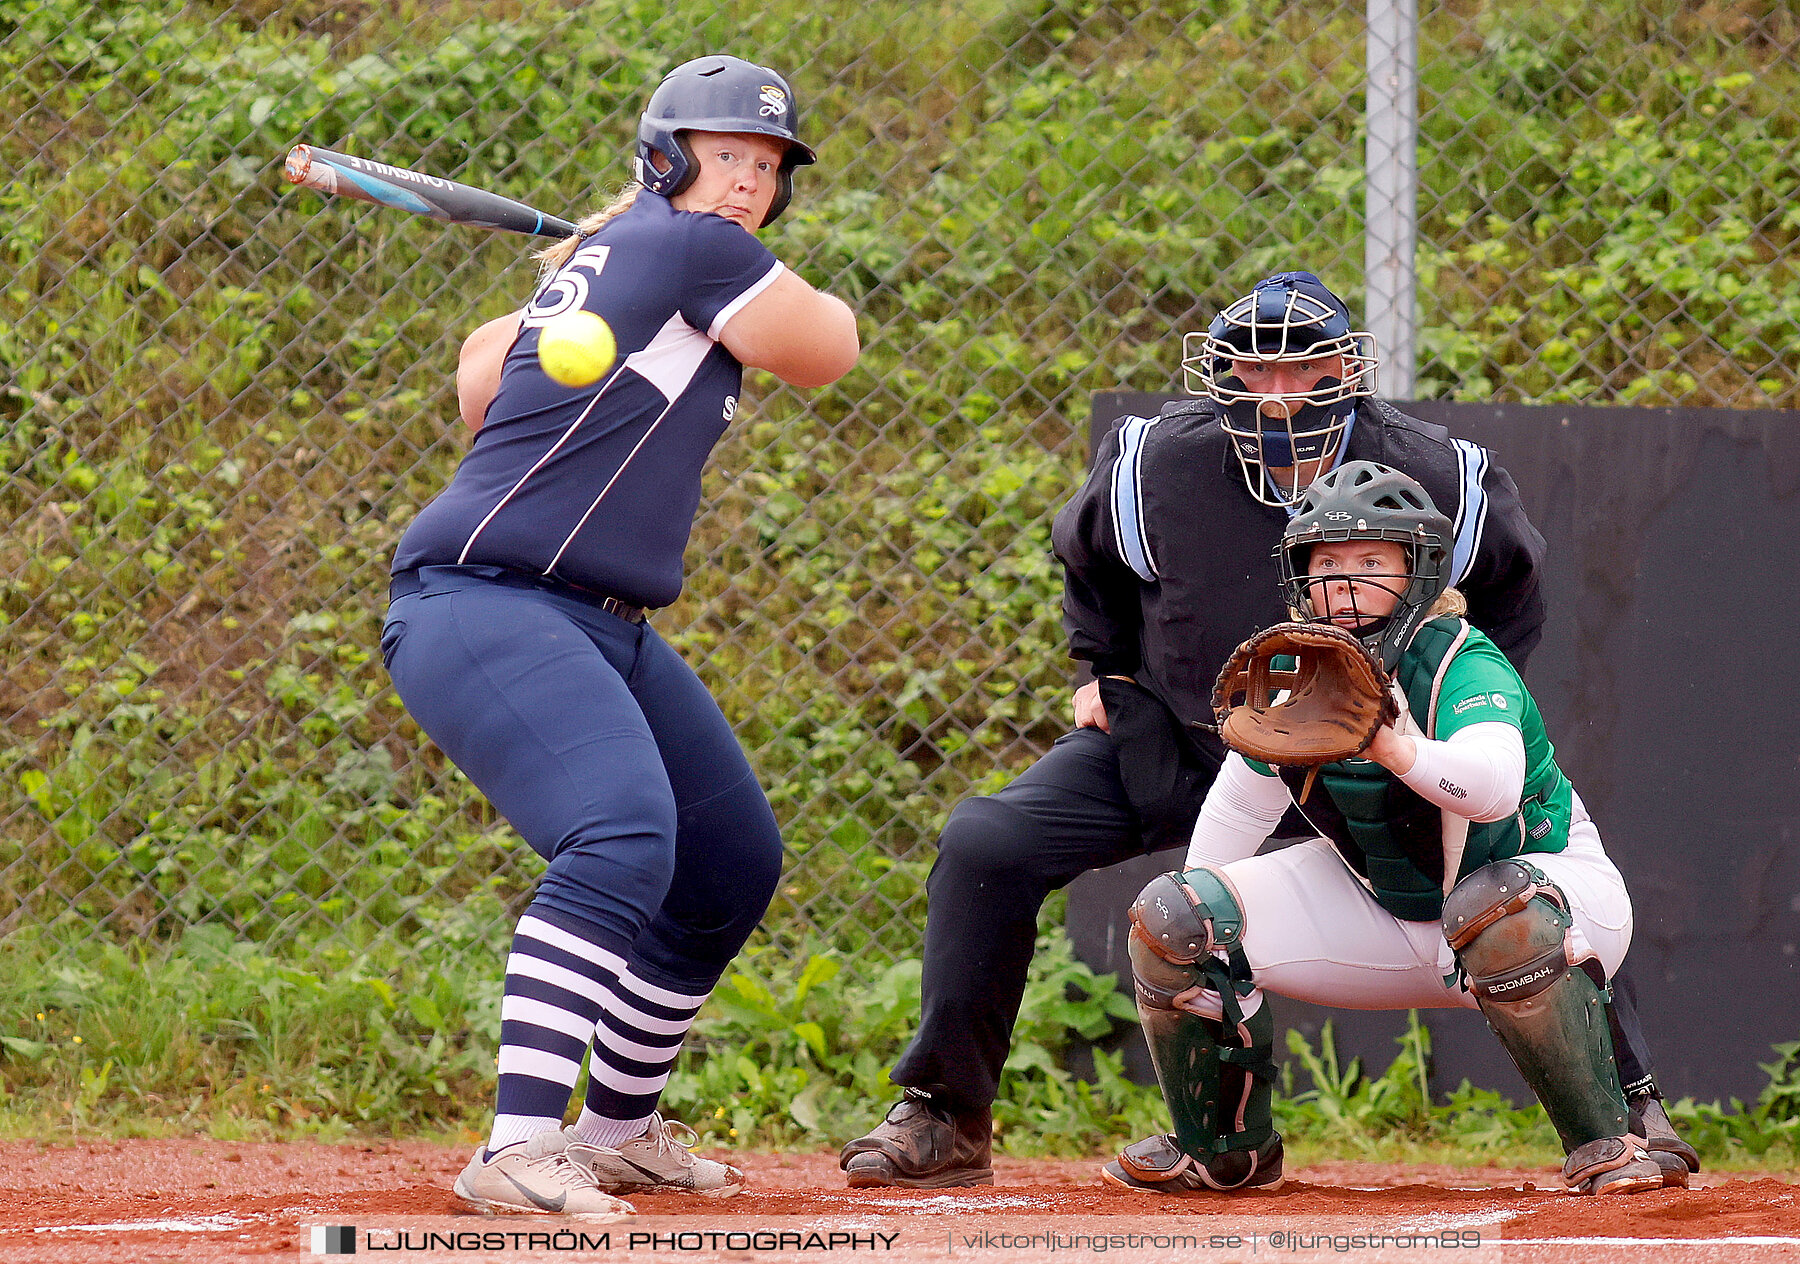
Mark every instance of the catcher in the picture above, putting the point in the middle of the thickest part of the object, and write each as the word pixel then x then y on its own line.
pixel 1454 863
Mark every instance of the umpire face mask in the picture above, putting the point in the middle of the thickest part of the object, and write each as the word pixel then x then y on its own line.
pixel 1284 430
pixel 1285 370
pixel 1299 417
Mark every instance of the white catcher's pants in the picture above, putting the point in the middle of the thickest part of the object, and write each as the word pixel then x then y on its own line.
pixel 1314 933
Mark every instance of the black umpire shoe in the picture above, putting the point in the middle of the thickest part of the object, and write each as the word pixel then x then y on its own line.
pixel 922 1144
pixel 1677 1159
pixel 1157 1165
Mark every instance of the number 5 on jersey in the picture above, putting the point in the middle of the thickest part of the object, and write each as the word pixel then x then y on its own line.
pixel 568 289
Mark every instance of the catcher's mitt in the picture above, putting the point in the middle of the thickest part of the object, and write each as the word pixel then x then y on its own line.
pixel 1336 697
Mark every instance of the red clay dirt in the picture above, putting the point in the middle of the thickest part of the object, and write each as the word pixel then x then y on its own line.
pixel 219 1201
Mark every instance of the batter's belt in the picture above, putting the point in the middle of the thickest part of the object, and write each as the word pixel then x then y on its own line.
pixel 406 583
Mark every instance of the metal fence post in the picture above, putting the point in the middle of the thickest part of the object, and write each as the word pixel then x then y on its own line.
pixel 1390 228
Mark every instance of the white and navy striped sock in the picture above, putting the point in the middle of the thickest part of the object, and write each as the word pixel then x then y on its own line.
pixel 636 1041
pixel 600 1131
pixel 556 984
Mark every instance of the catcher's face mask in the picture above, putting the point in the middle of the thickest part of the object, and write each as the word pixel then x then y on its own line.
pixel 1353 583
pixel 1362 502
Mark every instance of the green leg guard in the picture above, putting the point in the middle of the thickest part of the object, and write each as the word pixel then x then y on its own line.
pixel 1217 1074
pixel 1508 925
pixel 1220 1096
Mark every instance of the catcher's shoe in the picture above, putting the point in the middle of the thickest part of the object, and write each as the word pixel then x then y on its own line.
pixel 1612 1165
pixel 922 1144
pixel 1677 1159
pixel 660 1159
pixel 542 1175
pixel 1157 1165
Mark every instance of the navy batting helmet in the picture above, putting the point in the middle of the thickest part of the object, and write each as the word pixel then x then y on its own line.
pixel 1289 317
pixel 717 94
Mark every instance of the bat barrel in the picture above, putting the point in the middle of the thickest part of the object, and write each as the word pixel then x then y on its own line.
pixel 376 182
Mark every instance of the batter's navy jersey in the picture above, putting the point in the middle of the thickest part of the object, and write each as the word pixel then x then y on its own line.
pixel 598 485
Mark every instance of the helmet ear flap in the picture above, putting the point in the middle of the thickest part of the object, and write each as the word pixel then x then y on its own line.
pixel 687 170
pixel 683 170
pixel 784 193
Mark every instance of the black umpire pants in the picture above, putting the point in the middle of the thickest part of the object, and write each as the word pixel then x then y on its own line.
pixel 998 859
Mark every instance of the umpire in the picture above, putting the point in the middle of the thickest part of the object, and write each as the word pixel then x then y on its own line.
pixel 1167 557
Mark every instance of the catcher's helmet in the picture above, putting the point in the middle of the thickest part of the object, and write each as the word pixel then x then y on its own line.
pixel 717 94
pixel 1288 318
pixel 1363 500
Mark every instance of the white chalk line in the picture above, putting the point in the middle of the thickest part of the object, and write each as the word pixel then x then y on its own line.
pixel 204 1224
pixel 1649 1241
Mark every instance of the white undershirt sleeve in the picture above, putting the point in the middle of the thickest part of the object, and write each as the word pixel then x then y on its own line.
pixel 1241 811
pixel 1478 773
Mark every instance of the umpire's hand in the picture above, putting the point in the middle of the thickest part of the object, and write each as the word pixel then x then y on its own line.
pixel 1090 712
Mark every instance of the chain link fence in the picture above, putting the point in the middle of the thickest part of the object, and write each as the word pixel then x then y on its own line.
pixel 224 398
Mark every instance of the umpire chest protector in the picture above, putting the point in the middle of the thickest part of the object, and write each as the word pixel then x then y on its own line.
pixel 1390 835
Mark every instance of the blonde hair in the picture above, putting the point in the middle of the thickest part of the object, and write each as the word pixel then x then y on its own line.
pixel 1450 601
pixel 550 258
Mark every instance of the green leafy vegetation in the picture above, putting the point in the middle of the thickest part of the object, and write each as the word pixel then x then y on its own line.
pixel 223 1038
pixel 224 398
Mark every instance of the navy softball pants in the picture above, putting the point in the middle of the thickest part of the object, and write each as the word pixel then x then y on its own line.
pixel 605 752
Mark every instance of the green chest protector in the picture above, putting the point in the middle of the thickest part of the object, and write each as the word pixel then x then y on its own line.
pixel 1389 834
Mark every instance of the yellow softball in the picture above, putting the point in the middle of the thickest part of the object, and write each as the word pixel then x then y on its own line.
pixel 576 348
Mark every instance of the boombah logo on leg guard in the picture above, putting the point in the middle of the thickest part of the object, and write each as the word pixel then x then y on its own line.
pixel 1508 925
pixel 1527 956
pixel 1546 975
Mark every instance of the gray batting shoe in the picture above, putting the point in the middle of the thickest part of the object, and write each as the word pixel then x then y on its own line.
pixel 661 1159
pixel 538 1176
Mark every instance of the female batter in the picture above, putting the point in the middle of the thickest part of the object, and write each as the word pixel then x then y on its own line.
pixel 1455 866
pixel 517 638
